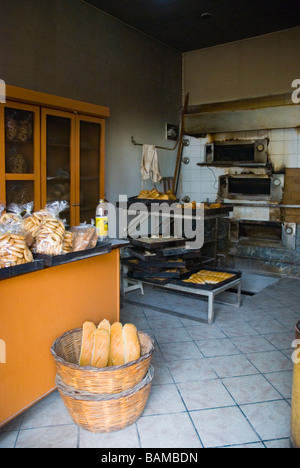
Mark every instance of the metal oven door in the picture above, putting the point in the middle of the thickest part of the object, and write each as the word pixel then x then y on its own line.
pixel 252 187
pixel 236 152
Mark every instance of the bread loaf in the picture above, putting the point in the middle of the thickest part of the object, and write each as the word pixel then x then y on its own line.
pixel 132 349
pixel 116 357
pixel 87 344
pixel 101 348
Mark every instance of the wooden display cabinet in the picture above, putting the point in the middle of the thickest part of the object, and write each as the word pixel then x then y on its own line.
pixel 20 154
pixel 72 168
pixel 51 149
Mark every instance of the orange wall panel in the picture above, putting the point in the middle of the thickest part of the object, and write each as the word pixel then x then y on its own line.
pixel 39 307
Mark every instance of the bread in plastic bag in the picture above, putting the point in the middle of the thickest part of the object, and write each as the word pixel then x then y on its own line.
pixel 50 236
pixel 14 249
pixel 85 237
pixel 13 214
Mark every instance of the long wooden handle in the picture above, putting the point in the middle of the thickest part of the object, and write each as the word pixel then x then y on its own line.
pixel 179 151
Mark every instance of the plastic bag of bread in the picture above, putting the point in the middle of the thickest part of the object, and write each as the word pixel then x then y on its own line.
pixel 32 222
pixel 12 215
pixel 14 249
pixel 50 236
pixel 85 237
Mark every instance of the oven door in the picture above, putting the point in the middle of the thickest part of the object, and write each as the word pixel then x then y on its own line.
pixel 252 187
pixel 236 152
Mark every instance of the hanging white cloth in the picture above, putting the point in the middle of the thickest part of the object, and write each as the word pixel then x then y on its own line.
pixel 150 165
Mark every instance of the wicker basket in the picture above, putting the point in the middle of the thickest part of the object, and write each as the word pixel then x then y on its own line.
pixel 108 380
pixel 106 413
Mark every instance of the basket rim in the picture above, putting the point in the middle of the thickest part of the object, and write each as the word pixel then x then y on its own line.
pixel 91 369
pixel 98 397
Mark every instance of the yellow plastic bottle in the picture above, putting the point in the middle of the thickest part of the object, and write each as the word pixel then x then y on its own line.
pixel 101 221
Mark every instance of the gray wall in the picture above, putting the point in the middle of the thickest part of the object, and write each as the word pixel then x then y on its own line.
pixel 67 48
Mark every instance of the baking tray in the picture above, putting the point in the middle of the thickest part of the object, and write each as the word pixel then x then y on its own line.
pixel 182 251
pixel 154 280
pixel 149 243
pixel 160 274
pixel 141 254
pixel 207 287
pixel 135 264
pixel 18 270
pixel 149 201
pixel 155 264
pixel 55 260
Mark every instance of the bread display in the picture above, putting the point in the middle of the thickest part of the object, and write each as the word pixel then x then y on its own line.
pixel 45 233
pixel 156 195
pixel 87 345
pixel 109 345
pixel 208 277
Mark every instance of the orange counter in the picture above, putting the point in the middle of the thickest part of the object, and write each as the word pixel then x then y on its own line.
pixel 38 307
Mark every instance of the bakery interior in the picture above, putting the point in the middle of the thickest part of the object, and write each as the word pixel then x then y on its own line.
pixel 190 103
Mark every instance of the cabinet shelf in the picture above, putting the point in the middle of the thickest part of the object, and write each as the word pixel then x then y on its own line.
pixel 13 176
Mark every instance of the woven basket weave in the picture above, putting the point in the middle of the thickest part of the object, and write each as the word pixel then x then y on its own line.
pixel 106 413
pixel 108 380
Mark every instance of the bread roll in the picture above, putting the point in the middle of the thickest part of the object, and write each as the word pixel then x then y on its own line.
pixel 87 344
pixel 116 357
pixel 132 349
pixel 101 348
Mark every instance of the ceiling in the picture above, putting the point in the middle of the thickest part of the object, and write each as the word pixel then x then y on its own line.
pixel 187 25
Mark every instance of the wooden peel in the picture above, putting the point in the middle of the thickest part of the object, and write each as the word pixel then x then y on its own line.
pixel 180 145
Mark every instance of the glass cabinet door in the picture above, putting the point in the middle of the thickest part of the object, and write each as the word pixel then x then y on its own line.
pixel 21 164
pixel 58 157
pixel 91 166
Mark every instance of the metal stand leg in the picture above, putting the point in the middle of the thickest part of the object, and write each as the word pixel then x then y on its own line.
pixel 239 294
pixel 211 309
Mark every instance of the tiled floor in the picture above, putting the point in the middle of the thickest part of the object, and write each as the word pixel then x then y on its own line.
pixel 222 385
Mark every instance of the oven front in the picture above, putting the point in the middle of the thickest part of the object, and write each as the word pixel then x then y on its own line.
pixel 252 187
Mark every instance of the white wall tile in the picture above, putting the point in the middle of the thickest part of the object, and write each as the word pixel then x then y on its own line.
pixel 277 147
pixel 291 160
pixel 290 134
pixel 277 135
pixel 290 147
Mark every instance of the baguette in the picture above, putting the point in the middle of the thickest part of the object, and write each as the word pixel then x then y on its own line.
pixel 101 348
pixel 132 349
pixel 87 344
pixel 116 356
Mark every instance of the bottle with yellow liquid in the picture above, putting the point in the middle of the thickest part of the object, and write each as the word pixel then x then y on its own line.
pixel 102 220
